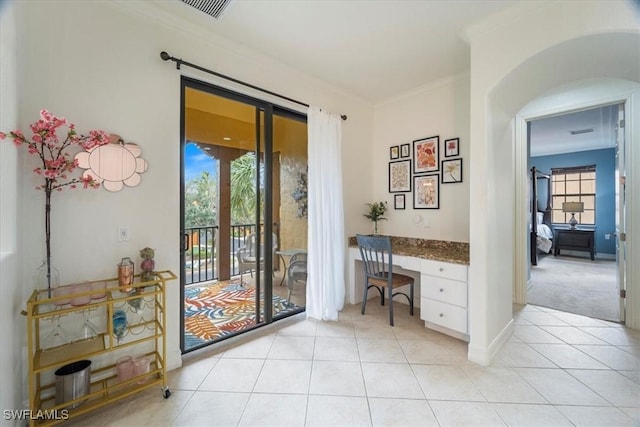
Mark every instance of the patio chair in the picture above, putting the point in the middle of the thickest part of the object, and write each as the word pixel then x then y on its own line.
pixel 296 272
pixel 246 254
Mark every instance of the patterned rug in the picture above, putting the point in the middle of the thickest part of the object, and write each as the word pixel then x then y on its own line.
pixel 221 309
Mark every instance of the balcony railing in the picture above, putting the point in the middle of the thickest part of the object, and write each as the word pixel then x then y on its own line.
pixel 201 250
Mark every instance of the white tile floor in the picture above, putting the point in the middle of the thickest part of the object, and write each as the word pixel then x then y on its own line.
pixel 557 369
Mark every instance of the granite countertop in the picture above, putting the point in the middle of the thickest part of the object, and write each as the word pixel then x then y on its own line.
pixel 437 250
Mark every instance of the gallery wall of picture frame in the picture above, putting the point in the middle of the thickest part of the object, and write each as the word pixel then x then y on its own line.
pixel 423 173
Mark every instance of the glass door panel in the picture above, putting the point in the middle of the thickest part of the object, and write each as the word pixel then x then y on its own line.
pixel 243 212
pixel 290 213
pixel 221 204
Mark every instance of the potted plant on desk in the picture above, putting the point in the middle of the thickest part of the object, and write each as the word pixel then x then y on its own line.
pixel 376 212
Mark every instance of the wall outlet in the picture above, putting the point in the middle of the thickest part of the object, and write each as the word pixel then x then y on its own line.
pixel 123 233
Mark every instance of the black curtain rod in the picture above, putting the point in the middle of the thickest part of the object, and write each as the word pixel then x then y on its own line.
pixel 166 57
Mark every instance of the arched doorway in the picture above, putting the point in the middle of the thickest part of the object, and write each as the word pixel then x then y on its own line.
pixel 586 82
pixel 498 193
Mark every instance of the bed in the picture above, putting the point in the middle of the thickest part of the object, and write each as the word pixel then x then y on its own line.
pixel 541 229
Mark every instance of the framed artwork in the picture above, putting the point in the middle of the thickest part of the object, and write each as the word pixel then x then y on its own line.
pixel 400 176
pixel 426 155
pixel 398 201
pixel 426 193
pixel 394 152
pixel 405 150
pixel 452 147
pixel 451 171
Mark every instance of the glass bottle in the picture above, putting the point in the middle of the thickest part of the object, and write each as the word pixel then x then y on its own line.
pixel 125 274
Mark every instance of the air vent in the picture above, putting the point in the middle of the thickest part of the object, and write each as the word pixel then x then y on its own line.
pixel 210 7
pixel 578 132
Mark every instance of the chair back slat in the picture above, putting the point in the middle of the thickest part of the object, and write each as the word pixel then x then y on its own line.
pixel 376 254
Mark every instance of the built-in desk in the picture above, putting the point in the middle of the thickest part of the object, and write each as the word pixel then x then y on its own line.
pixel 439 269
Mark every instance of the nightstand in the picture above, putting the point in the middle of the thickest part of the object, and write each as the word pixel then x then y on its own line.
pixel 574 240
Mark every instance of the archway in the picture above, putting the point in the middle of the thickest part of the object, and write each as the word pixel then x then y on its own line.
pixel 586 72
pixel 592 57
pixel 576 96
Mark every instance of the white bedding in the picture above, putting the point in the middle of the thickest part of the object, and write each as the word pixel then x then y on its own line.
pixel 544 237
pixel 545 231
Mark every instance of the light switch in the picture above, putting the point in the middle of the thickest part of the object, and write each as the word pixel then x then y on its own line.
pixel 123 233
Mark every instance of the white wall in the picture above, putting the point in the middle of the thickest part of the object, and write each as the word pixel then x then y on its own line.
pixel 98 65
pixel 12 295
pixel 440 108
pixel 506 73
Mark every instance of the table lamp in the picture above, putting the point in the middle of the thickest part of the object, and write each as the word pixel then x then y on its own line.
pixel 573 207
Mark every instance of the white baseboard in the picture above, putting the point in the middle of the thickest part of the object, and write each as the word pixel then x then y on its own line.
pixel 483 356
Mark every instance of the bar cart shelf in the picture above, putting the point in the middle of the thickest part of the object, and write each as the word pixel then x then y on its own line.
pixel 144 305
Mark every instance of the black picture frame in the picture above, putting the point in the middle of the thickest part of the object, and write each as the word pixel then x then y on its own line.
pixel 399 201
pixel 452 171
pixel 405 151
pixel 426 191
pixel 452 147
pixel 394 152
pixel 400 176
pixel 426 155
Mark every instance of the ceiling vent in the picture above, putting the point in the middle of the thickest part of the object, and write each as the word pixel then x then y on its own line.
pixel 578 132
pixel 210 7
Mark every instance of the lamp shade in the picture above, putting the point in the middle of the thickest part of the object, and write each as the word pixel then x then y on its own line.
pixel 573 207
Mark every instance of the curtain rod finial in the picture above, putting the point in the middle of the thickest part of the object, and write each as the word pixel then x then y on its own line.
pixel 343 116
pixel 165 56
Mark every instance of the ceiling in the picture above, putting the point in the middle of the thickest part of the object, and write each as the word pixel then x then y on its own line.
pixel 372 49
pixel 380 49
pixel 553 135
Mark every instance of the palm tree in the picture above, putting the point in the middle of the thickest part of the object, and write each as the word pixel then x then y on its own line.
pixel 200 199
pixel 243 189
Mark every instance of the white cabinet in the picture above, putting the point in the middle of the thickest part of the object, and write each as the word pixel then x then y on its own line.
pixel 444 297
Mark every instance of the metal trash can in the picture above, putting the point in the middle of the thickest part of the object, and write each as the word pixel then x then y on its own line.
pixel 72 382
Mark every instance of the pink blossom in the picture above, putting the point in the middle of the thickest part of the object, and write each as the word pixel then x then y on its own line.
pixel 56 162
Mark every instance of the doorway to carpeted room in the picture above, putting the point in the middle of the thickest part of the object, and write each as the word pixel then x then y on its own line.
pixel 576 285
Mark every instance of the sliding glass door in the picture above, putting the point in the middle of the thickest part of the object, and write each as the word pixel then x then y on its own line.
pixel 232 214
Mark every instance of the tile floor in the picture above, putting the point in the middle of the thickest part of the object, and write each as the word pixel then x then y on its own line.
pixel 558 369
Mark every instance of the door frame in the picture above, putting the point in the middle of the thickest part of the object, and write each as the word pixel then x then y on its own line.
pixel 521 154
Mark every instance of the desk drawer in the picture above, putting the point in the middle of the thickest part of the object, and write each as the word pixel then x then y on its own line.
pixel 444 290
pixel 444 269
pixel 407 262
pixel 447 315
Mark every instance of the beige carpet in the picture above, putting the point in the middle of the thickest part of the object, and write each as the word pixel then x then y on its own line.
pixel 576 285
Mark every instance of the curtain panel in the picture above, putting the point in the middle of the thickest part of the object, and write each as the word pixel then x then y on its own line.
pixel 326 240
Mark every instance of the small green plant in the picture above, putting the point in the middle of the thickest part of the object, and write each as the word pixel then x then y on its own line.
pixel 376 212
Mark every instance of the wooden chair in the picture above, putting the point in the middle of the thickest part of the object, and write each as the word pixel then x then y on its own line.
pixel 377 260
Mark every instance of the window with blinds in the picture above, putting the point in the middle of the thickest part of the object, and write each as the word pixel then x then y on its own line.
pixel 574 184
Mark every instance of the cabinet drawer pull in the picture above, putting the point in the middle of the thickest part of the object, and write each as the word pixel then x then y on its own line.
pixel 441 290
pixel 441 314
pixel 441 269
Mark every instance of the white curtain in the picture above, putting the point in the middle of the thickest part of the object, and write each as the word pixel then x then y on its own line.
pixel 326 240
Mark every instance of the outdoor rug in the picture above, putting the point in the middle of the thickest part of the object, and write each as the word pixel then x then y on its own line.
pixel 220 309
